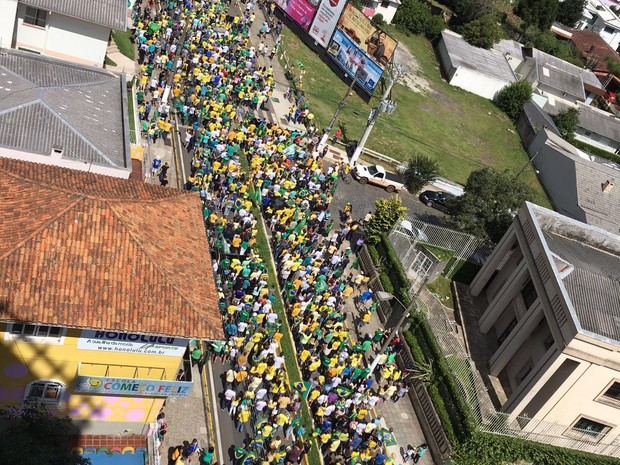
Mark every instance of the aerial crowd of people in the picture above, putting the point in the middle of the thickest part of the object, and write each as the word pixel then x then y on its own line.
pixel 198 59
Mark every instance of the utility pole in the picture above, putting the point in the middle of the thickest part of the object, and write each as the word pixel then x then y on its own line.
pixel 329 128
pixel 385 106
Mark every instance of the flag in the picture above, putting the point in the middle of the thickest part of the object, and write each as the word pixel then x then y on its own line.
pixel 257 197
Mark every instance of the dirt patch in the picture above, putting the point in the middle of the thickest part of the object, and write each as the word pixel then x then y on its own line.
pixel 412 77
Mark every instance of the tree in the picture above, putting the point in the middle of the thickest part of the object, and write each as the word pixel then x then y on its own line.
pixel 33 435
pixel 570 12
pixel 539 13
pixel 490 201
pixel 433 27
pixel 567 121
pixel 387 213
pixel 511 98
pixel 548 43
pixel 466 11
pixel 412 15
pixel 482 32
pixel 419 172
pixel 378 19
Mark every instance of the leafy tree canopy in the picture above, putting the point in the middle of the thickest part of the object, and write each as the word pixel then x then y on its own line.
pixel 570 12
pixel 31 435
pixel 387 213
pixel 539 13
pixel 420 171
pixel 490 201
pixel 511 98
pixel 466 11
pixel 415 17
pixel 482 32
pixel 567 121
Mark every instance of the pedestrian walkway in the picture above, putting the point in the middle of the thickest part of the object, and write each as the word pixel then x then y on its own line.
pixel 165 152
pixel 186 419
pixel 123 64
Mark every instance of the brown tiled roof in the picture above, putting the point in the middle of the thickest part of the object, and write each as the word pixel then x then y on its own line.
pixel 593 48
pixel 84 250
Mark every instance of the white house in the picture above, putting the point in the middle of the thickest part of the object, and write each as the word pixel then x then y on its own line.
pixel 387 8
pixel 58 113
pixel 599 18
pixel 72 30
pixel 479 71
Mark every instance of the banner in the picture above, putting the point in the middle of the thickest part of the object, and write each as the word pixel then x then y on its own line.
pixel 301 11
pixel 112 341
pixel 375 42
pixel 132 387
pixel 351 57
pixel 325 21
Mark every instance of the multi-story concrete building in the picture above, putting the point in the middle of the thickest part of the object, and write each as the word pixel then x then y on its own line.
pixel 553 291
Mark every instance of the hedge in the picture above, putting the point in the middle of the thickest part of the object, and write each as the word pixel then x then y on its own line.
pixel 596 151
pixel 492 449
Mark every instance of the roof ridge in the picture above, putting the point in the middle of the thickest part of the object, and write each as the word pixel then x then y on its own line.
pixel 44 226
pixel 156 265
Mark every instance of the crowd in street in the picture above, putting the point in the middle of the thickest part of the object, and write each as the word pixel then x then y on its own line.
pixel 246 171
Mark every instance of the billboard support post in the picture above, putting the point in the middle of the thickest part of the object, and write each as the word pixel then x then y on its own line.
pixel 330 127
pixel 396 72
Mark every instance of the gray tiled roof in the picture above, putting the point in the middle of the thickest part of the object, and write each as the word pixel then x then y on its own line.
pixel 594 284
pixel 538 117
pixel 109 13
pixel 599 121
pixel 487 62
pixel 46 103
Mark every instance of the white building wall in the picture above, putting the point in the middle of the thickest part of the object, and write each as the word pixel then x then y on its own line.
pixel 596 140
pixel 8 9
pixel 387 12
pixel 64 37
pixel 78 165
pixel 476 83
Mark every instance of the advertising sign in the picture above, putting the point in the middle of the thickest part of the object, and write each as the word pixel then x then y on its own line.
pixel 111 341
pixel 301 11
pixel 132 387
pixel 326 20
pixel 375 42
pixel 351 57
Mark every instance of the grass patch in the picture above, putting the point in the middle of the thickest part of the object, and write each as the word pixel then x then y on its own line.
pixel 124 43
pixel 442 255
pixel 130 110
pixel 462 131
pixel 108 61
pixel 464 272
pixel 441 288
pixel 463 374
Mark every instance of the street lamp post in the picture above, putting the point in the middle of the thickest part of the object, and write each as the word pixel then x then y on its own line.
pixel 383 296
pixel 529 162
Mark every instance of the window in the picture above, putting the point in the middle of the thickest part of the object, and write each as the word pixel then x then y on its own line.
pixel 30 332
pixel 45 391
pixel 527 368
pixel 507 331
pixel 35 17
pixel 611 395
pixel 549 341
pixel 609 30
pixel 529 294
pixel 385 3
pixel 586 429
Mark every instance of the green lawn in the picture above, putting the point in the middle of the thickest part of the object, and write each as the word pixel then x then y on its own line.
pixel 130 111
pixel 124 43
pixel 441 288
pixel 108 61
pixel 462 131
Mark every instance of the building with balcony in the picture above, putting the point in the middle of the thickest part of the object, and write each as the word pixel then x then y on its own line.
pixel 553 290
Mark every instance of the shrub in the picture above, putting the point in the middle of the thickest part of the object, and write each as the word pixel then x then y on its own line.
pixel 420 171
pixel 596 151
pixel 482 32
pixel 511 98
pixel 387 213
pixel 378 19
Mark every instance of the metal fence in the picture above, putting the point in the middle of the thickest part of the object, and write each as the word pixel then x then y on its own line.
pixel 465 247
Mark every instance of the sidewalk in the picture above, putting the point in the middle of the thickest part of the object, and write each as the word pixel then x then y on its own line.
pixel 123 64
pixel 186 420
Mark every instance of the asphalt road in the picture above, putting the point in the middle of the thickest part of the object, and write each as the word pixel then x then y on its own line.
pixel 362 198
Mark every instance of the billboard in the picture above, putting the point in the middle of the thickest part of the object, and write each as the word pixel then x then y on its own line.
pixel 131 387
pixel 352 58
pixel 325 21
pixel 375 42
pixel 300 11
pixel 112 341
